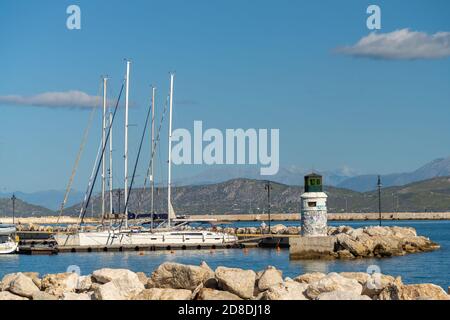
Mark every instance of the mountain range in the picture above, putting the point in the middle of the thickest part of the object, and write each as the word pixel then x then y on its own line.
pixel 249 196
pixel 341 178
pixel 342 184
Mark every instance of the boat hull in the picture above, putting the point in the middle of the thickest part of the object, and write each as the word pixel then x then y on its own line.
pixel 8 247
pixel 110 238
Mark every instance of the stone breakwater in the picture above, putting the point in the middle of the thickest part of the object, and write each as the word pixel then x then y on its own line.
pixel 173 281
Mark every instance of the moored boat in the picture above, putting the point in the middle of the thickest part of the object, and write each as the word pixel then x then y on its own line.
pixel 8 242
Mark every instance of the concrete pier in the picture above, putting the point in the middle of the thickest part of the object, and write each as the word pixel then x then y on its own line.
pixel 260 217
pixel 312 247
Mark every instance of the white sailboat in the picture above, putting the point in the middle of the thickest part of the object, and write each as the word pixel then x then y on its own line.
pixel 7 242
pixel 169 236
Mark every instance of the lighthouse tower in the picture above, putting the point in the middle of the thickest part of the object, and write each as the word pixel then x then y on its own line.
pixel 314 207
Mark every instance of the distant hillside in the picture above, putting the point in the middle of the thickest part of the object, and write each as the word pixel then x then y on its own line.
pixel 362 183
pixel 49 199
pixel 22 209
pixel 249 196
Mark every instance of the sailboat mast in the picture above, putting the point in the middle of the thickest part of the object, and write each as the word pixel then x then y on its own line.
pixel 169 174
pixel 110 164
pixel 105 80
pixel 127 87
pixel 152 177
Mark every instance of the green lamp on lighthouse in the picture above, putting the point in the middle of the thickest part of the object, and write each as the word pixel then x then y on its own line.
pixel 314 207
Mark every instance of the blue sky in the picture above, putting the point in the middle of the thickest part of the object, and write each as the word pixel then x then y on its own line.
pixel 239 64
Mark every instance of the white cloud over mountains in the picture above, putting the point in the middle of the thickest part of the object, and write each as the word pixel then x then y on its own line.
pixel 401 44
pixel 67 99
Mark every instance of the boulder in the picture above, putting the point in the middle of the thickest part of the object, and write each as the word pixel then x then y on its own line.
pixel 376 283
pixel 6 281
pixel 5 295
pixel 106 275
pixel 179 276
pixel 289 290
pixel 35 277
pixel 361 277
pixel 378 231
pixel 108 291
pixel 341 295
pixel 345 254
pixel 57 284
pixel 237 281
pixel 128 284
pixel 211 294
pixel 402 232
pixel 270 277
pixel 278 228
pixel 209 280
pixel 425 291
pixel 84 284
pixel 142 277
pixel 23 286
pixel 310 277
pixel 356 248
pixel 71 296
pixel 333 282
pixel 163 294
pixel 41 295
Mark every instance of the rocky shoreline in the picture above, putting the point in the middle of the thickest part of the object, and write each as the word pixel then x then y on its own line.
pixel 173 281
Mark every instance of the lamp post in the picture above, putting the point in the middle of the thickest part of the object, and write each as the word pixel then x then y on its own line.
pixel 13 198
pixel 268 187
pixel 379 197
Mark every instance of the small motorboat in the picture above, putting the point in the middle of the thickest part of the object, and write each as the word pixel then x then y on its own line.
pixel 8 243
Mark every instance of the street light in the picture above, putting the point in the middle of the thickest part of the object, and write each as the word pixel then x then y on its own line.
pixel 13 198
pixel 268 187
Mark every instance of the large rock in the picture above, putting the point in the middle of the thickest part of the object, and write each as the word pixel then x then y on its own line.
pixel 57 284
pixel 178 276
pixel 270 277
pixel 71 296
pixel 356 248
pixel 142 277
pixel 333 282
pixel 23 286
pixel 237 281
pixel 310 277
pixel 118 284
pixel 341 295
pixel 278 228
pixel 41 295
pixel 6 281
pixel 35 277
pixel 128 284
pixel 84 284
pixel 106 275
pixel 163 294
pixel 5 295
pixel 361 277
pixel 288 290
pixel 376 283
pixel 211 294
pixel 425 291
pixel 378 231
pixel 108 291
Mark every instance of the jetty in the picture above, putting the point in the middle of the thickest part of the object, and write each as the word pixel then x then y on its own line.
pixel 229 218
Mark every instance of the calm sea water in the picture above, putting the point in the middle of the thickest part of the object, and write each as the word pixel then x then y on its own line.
pixel 431 267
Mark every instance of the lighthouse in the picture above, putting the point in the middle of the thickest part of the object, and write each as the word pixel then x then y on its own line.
pixel 313 207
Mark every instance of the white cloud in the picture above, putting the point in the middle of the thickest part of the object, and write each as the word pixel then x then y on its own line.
pixel 401 44
pixel 67 99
